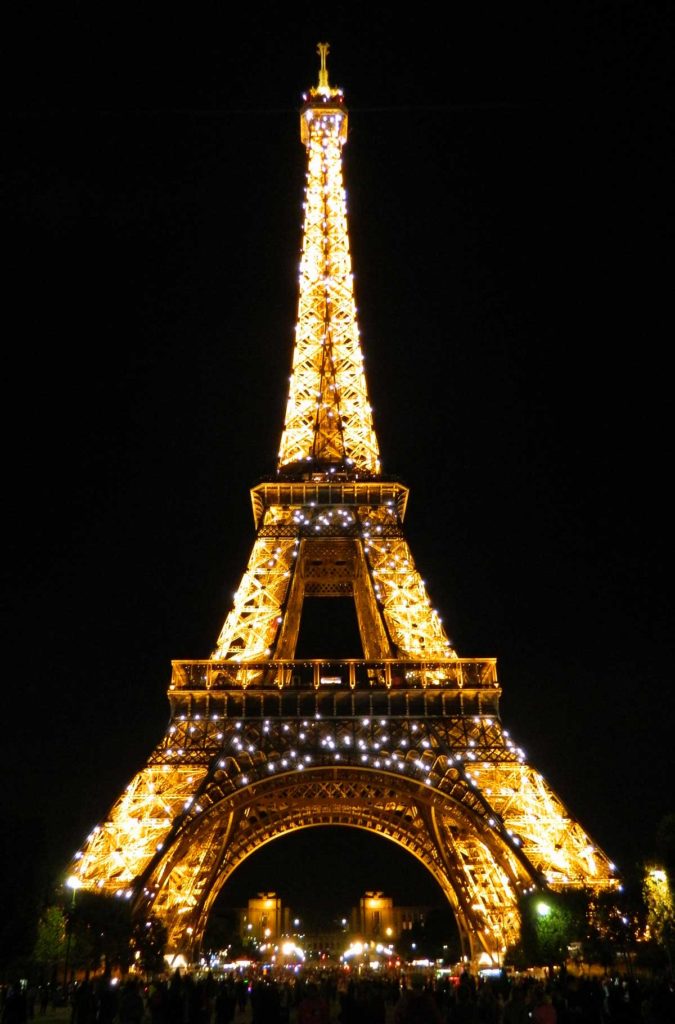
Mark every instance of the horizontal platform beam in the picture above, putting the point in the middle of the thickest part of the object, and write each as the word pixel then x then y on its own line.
pixel 349 673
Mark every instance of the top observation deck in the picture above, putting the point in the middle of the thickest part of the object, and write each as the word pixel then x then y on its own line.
pixel 320 489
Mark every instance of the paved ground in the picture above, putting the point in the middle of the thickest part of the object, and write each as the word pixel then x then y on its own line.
pixel 52 1016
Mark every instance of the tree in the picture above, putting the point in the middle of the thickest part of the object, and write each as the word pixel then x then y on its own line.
pixel 100 929
pixel 606 932
pixel 148 943
pixel 660 909
pixel 50 945
pixel 24 885
pixel 665 848
pixel 550 922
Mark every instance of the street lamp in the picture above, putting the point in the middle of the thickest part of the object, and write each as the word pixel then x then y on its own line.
pixel 73 883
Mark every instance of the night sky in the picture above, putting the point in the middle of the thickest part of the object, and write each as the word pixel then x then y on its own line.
pixel 509 186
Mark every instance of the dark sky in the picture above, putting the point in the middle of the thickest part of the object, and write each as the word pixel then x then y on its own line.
pixel 509 180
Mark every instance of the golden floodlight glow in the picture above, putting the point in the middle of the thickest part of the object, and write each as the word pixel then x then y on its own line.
pixel 328 415
pixel 403 740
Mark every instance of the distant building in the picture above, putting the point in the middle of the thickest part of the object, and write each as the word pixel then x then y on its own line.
pixel 265 919
pixel 376 919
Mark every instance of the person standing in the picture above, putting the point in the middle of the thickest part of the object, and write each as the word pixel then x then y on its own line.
pixel 14 1006
pixel 543 1010
pixel 417 1005
pixel 515 1007
pixel 131 1006
pixel 106 1000
pixel 43 999
pixel 84 1004
pixel 225 1003
pixel 313 1008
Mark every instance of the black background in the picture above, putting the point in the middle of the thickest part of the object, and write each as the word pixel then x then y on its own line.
pixel 509 181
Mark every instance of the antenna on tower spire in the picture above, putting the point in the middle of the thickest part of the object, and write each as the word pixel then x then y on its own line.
pixel 323 88
pixel 323 49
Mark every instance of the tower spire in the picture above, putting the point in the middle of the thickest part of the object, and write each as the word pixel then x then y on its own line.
pixel 328 425
pixel 323 49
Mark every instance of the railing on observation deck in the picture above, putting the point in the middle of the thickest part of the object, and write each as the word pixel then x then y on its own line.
pixel 348 673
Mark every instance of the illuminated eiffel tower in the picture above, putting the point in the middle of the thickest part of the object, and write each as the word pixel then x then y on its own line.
pixel 404 741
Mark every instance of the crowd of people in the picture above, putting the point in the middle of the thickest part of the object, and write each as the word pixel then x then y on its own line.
pixel 330 997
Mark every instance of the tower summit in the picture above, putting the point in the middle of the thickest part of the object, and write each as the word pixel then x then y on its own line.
pixel 329 425
pixel 404 740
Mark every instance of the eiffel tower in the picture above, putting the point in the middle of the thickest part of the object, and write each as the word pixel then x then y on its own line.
pixel 405 741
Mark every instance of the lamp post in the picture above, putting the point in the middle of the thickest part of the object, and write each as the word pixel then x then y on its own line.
pixel 74 884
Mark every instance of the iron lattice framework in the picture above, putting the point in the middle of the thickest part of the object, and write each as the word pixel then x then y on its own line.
pixel 405 740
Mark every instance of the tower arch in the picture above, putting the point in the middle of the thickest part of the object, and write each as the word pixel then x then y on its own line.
pixel 437 829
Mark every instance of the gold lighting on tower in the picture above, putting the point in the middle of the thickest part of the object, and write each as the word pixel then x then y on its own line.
pixel 404 738
pixel 329 423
